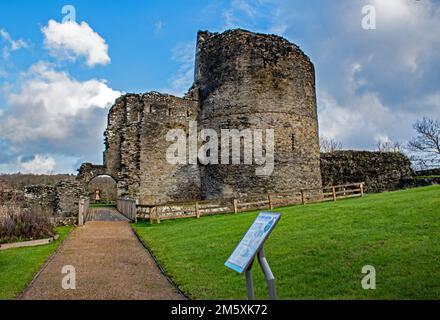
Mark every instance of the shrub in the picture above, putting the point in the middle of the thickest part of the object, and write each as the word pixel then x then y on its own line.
pixel 17 223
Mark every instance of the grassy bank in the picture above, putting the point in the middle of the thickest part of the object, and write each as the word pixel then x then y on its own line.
pixel 19 266
pixel 316 252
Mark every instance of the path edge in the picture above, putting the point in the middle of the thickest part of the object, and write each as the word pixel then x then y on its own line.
pixel 158 264
pixel 52 256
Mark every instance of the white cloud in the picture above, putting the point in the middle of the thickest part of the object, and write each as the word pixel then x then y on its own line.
pixel 360 122
pixel 48 108
pixel 371 84
pixel 41 164
pixel 38 164
pixel 181 81
pixel 71 40
pixel 11 44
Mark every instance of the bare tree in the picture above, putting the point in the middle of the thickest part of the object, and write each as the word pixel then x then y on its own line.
pixel 330 145
pixel 388 146
pixel 426 145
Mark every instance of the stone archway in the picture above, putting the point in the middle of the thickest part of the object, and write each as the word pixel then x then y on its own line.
pixel 87 172
pixel 103 189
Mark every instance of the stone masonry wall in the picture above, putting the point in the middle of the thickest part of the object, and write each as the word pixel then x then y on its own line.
pixel 381 171
pixel 136 148
pixel 62 199
pixel 42 195
pixel 249 80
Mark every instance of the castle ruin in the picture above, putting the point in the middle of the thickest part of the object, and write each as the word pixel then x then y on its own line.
pixel 243 80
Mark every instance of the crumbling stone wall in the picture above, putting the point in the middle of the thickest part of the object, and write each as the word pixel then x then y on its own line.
pixel 136 147
pixel 42 195
pixel 88 171
pixel 256 81
pixel 381 171
pixel 428 173
pixel 67 196
pixel 62 199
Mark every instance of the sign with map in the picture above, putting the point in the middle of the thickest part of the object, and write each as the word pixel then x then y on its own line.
pixel 253 241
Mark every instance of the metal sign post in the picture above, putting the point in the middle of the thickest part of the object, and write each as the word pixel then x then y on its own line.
pixel 251 247
pixel 270 279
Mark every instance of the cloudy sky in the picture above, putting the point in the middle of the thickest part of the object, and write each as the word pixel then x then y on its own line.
pixel 58 78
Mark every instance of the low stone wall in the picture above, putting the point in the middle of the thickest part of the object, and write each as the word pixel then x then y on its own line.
pixel 428 173
pixel 67 196
pixel 42 195
pixel 417 182
pixel 62 199
pixel 381 171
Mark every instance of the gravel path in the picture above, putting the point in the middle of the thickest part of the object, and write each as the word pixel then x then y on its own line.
pixel 110 264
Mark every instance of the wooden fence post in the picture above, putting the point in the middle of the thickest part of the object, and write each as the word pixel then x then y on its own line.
pixel 334 193
pixel 81 212
pixel 86 210
pixel 235 205
pixel 303 198
pixel 135 211
pixel 151 215
pixel 362 189
pixel 158 214
pixel 197 211
pixel 269 197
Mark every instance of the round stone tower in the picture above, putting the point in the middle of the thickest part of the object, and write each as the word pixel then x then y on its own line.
pixel 246 80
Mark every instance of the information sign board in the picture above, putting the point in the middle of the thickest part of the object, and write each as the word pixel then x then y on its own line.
pixel 244 254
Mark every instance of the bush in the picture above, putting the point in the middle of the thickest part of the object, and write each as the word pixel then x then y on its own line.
pixel 17 223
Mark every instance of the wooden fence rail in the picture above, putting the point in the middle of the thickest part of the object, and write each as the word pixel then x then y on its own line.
pixel 179 210
pixel 128 208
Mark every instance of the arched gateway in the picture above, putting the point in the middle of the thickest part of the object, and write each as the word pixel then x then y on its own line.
pixel 87 172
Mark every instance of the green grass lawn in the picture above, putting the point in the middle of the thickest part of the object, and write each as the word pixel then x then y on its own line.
pixel 102 205
pixel 19 266
pixel 316 251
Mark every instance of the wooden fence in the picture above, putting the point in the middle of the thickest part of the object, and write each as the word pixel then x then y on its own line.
pixel 83 212
pixel 128 208
pixel 179 210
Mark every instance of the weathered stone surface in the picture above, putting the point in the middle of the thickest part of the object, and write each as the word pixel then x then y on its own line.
pixel 256 81
pixel 67 196
pixel 88 171
pixel 417 182
pixel 62 199
pixel 429 172
pixel 42 195
pixel 136 148
pixel 381 171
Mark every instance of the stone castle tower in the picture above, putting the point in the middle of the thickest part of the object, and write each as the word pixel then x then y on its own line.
pixel 243 80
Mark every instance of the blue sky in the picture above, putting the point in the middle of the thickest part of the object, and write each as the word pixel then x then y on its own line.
pixel 57 82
